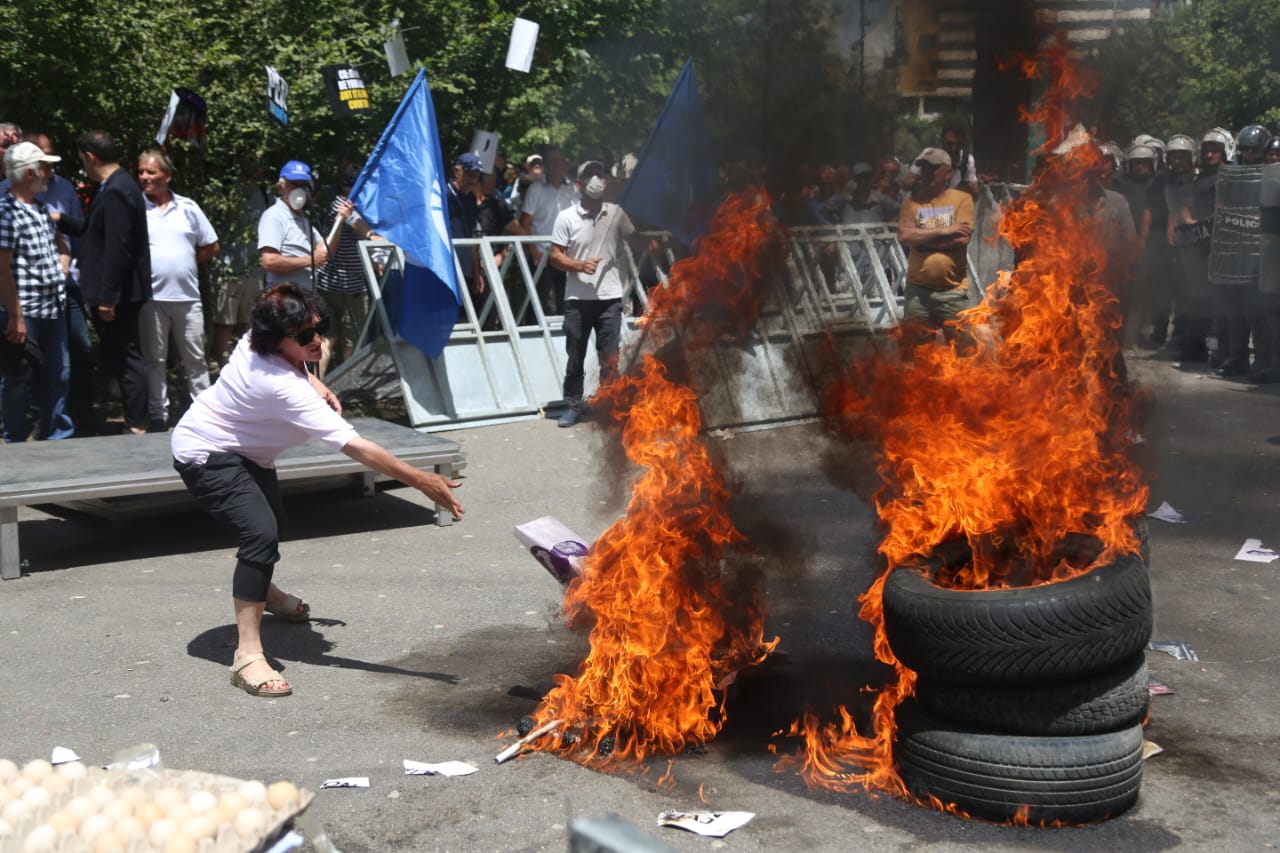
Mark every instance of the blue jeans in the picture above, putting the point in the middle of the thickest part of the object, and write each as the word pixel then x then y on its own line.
pixel 49 382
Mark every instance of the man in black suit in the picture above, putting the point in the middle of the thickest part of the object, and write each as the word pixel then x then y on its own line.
pixel 115 269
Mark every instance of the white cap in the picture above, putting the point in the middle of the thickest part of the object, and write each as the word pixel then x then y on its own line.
pixel 24 155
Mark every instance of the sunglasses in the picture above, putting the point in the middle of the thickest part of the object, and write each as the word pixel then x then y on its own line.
pixel 307 335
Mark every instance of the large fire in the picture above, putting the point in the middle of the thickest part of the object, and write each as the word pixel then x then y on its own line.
pixel 669 634
pixel 1012 436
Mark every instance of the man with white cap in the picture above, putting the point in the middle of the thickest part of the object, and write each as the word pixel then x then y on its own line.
pixel 289 245
pixel 34 261
pixel 935 225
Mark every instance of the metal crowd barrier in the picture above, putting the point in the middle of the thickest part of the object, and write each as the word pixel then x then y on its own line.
pixel 505 357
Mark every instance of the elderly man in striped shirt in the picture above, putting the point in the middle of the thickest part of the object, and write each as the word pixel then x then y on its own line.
pixel 33 267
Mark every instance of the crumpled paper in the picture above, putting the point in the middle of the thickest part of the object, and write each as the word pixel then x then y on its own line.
pixel 711 824
pixel 444 768
pixel 1252 551
pixel 1176 648
pixel 1164 512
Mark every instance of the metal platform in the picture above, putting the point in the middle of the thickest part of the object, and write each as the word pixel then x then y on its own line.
pixel 129 475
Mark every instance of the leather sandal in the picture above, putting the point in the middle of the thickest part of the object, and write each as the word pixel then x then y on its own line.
pixel 254 687
pixel 293 609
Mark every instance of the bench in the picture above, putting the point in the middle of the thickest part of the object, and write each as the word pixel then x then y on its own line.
pixel 108 475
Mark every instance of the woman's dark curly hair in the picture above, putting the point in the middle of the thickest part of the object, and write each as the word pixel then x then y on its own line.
pixel 279 310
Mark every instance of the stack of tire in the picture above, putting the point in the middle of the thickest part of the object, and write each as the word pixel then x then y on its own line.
pixel 1030 701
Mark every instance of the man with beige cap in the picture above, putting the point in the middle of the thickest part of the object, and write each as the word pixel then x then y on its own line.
pixel 935 224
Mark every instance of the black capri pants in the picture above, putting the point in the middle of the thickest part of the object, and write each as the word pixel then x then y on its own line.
pixel 244 498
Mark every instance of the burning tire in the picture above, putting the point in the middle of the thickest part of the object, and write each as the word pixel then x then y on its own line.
pixel 1106 702
pixel 1027 635
pixel 1002 777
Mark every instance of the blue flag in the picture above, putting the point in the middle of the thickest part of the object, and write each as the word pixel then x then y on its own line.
pixel 400 192
pixel 675 186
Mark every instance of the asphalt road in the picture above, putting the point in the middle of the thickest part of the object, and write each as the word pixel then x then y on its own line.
pixel 121 635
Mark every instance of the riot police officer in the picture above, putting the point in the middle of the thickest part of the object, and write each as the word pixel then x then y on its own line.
pixel 1250 145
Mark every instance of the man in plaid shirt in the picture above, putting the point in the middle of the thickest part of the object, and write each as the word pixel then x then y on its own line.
pixel 33 267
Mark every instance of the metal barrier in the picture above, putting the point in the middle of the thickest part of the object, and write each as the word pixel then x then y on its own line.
pixel 505 357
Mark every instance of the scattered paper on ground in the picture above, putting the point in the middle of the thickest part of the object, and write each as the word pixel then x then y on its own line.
pixel 1253 552
pixel 1176 648
pixel 1150 748
pixel 713 824
pixel 348 782
pixel 1164 512
pixel 444 768
pixel 62 755
pixel 291 840
pixel 1158 688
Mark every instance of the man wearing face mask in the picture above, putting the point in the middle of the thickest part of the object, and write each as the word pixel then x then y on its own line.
pixel 290 247
pixel 584 243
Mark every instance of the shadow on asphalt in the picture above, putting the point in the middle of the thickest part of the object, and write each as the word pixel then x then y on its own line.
pixel 303 643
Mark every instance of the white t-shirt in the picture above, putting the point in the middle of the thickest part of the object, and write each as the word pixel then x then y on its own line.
pixel 585 236
pixel 175 232
pixel 281 229
pixel 260 406
pixel 544 202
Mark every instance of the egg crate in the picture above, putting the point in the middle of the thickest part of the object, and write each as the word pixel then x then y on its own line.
pixel 91 810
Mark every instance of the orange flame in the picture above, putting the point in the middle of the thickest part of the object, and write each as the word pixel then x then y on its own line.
pixel 1012 436
pixel 669 634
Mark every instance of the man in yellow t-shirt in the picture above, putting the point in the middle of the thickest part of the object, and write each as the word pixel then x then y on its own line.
pixel 935 225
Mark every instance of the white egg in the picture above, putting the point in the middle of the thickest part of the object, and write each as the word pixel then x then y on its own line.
pixel 6 829
pixel 16 811
pixel 233 800
pixel 8 770
pixel 80 808
pixel 19 786
pixel 6 795
pixel 108 842
pixel 148 812
pixel 42 839
pixel 129 828
pixel 198 827
pixel 161 831
pixel 55 784
pixel 36 769
pixel 100 795
pixel 178 812
pixel 93 826
pixel 180 844
pixel 37 797
pixel 116 809
pixel 132 795
pixel 202 802
pixel 63 821
pixel 250 823
pixel 253 791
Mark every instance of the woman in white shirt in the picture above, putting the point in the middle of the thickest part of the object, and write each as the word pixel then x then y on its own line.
pixel 225 448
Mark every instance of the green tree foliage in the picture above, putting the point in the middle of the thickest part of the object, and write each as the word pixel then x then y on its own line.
pixel 1217 62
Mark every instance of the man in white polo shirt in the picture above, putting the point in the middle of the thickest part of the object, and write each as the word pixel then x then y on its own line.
pixel 584 243
pixel 181 238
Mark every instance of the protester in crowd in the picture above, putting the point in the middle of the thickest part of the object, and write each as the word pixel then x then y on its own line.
pixel 115 269
pixel 935 224
pixel 533 173
pixel 180 239
pixel 61 198
pixel 585 244
pixel 34 262
pixel 238 275
pixel 886 190
pixel 500 172
pixel 861 207
pixel 226 445
pixel 964 172
pixel 827 200
pixel 463 190
pixel 290 248
pixel 342 283
pixel 543 203
pixel 10 134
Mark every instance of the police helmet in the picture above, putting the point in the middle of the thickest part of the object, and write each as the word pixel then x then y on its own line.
pixel 1113 153
pixel 1254 137
pixel 1221 136
pixel 1272 145
pixel 1140 151
pixel 1181 142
